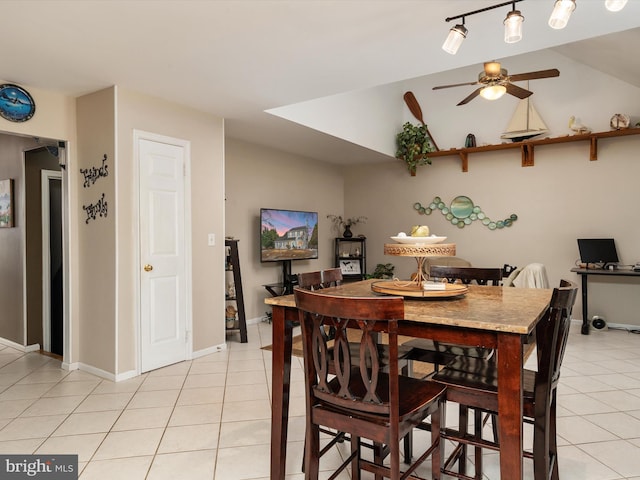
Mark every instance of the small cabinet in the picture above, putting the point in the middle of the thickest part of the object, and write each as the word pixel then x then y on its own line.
pixel 235 320
pixel 351 257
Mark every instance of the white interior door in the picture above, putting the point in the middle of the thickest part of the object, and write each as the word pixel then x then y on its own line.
pixel 163 280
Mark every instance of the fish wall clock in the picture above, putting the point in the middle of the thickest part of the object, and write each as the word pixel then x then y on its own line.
pixel 16 105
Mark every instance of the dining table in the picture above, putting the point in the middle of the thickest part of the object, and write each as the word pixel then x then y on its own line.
pixel 501 318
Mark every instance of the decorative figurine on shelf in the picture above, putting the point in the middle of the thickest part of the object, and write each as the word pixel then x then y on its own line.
pixel 231 290
pixel 346 223
pixel 230 316
pixel 576 125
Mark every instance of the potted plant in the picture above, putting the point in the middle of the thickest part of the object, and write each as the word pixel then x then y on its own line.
pixel 383 270
pixel 339 223
pixel 413 144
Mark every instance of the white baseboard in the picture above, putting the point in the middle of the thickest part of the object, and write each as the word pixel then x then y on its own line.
pixel 22 348
pixel 209 350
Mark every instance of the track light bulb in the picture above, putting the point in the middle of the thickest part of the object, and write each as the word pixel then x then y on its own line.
pixel 513 27
pixel 455 38
pixel 561 12
pixel 615 5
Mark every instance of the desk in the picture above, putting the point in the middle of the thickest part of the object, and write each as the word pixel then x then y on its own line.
pixel 584 273
pixel 493 317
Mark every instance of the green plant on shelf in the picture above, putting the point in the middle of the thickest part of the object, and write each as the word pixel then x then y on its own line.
pixel 413 144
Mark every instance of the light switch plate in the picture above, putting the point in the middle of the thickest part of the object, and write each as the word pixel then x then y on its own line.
pixel 211 240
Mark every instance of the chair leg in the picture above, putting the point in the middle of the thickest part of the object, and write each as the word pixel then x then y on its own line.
pixel 553 441
pixel 477 425
pixel 312 452
pixel 378 457
pixel 408 448
pixel 437 456
pixel 407 370
pixel 355 463
pixel 463 425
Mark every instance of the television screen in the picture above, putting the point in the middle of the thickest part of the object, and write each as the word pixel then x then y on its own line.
pixel 597 250
pixel 288 235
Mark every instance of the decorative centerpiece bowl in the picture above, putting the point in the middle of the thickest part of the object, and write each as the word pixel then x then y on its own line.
pixel 419 240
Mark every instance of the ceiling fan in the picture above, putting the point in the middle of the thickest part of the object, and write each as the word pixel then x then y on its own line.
pixel 494 82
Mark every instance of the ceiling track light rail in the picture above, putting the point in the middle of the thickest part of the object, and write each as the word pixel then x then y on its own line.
pixel 512 26
pixel 562 10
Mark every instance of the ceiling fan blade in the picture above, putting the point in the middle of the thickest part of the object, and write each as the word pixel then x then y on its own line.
pixel 470 97
pixel 553 72
pixel 455 85
pixel 517 91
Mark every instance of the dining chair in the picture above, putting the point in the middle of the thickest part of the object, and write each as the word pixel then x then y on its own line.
pixel 439 353
pixel 332 277
pixel 365 398
pixel 319 279
pixel 473 382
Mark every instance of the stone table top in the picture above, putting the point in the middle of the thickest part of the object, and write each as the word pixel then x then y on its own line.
pixel 504 309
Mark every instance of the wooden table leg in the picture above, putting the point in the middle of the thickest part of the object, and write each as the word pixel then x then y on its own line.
pixel 281 384
pixel 510 405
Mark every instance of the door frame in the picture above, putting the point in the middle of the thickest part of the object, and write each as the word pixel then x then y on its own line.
pixel 139 135
pixel 45 176
pixel 63 156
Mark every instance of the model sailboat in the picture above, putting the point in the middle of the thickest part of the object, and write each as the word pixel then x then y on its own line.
pixel 525 123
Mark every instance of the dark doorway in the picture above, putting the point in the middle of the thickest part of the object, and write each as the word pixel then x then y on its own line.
pixel 44 259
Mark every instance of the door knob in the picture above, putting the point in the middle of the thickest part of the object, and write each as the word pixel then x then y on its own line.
pixel 148 268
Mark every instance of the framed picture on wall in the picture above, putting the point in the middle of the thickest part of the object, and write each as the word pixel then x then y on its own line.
pixel 6 203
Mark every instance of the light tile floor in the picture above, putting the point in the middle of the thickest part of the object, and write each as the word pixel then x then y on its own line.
pixel 210 418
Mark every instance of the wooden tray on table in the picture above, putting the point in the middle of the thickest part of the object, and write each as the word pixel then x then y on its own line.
pixel 407 288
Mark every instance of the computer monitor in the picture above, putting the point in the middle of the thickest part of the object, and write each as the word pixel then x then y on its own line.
pixel 600 251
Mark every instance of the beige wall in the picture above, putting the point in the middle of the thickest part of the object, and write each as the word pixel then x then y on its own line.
pixel 258 177
pixel 55 118
pixel 102 251
pixel 96 237
pixel 206 136
pixel 563 197
pixel 12 277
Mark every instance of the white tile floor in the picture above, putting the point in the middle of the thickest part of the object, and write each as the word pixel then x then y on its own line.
pixel 210 418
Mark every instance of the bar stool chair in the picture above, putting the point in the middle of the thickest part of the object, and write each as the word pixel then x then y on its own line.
pixel 332 277
pixel 364 398
pixel 473 382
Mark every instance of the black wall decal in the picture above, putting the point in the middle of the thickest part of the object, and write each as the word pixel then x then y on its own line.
pixel 91 175
pixel 94 210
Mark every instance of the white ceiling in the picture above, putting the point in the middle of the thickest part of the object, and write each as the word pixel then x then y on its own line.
pixel 236 59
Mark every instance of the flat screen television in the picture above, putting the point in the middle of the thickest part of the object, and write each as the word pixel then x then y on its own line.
pixel 287 235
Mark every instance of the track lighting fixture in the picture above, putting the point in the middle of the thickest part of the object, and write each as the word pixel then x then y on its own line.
pixel 512 27
pixel 561 12
pixel 615 5
pixel 455 38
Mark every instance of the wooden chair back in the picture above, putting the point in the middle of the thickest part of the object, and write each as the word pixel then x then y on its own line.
pixel 368 315
pixel 467 275
pixel 552 333
pixel 317 280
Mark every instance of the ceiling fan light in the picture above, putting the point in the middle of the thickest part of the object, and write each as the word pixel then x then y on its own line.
pixel 456 36
pixel 615 5
pixel 493 92
pixel 561 12
pixel 513 27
